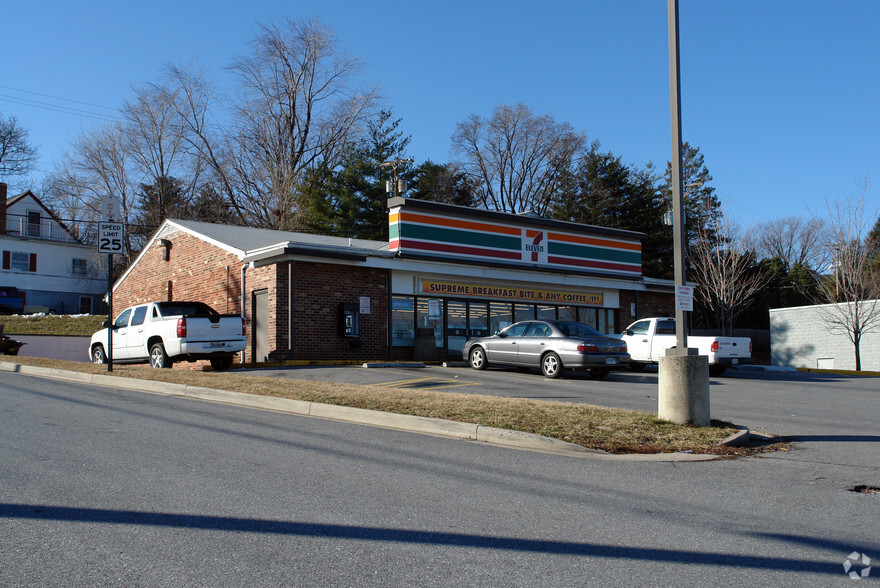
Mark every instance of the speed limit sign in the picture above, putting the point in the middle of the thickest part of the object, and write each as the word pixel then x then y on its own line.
pixel 109 237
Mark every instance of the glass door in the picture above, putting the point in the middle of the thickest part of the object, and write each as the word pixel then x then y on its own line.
pixel 478 319
pixel 456 328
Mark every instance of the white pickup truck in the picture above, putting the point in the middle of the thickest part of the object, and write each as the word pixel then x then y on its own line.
pixel 164 332
pixel 648 339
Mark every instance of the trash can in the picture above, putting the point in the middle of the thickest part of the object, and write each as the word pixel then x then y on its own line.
pixel 424 346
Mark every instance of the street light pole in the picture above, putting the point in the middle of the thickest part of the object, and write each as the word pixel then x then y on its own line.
pixel 683 382
pixel 678 232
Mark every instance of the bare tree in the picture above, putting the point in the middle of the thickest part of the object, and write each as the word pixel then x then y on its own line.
pixel 515 159
pixel 722 262
pixel 850 298
pixel 794 240
pixel 157 143
pixel 17 155
pixel 97 165
pixel 297 107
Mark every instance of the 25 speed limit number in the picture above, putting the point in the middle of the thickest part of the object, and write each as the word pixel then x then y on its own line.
pixel 109 237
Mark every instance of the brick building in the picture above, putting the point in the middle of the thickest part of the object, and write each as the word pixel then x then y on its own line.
pixel 446 272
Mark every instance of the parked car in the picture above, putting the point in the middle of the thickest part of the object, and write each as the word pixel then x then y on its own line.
pixel 552 346
pixel 162 333
pixel 648 339
pixel 11 300
pixel 8 345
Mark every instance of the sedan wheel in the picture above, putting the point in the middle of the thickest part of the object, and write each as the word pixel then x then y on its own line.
pixel 158 357
pixel 551 365
pixel 98 355
pixel 478 359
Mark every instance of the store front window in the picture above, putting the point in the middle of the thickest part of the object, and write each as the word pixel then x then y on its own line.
pixel 500 316
pixel 402 317
pixel 429 315
pixel 453 321
pixel 546 313
pixel 524 312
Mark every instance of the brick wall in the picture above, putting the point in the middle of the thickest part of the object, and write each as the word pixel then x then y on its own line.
pixel 318 290
pixel 195 270
pixel 650 304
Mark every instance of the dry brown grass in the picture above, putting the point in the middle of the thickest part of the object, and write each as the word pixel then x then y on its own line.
pixel 612 430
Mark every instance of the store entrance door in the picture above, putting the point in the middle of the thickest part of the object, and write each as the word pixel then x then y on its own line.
pixel 456 328
pixel 463 320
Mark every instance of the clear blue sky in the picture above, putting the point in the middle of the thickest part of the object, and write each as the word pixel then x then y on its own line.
pixel 782 97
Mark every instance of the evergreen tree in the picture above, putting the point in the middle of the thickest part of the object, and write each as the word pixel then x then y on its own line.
pixel 603 191
pixel 442 183
pixel 158 201
pixel 702 207
pixel 351 201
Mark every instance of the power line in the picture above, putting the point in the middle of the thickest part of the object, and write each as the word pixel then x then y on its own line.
pixel 56 97
pixel 62 108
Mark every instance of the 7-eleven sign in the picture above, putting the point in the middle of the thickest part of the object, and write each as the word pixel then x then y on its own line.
pixel 535 247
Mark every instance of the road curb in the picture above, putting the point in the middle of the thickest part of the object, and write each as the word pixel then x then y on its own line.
pixel 361 416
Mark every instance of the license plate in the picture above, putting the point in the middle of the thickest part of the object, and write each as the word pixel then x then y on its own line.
pixel 610 361
pixel 734 361
pixel 217 345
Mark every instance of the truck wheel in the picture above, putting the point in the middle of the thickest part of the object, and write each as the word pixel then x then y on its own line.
pixel 477 358
pixel 98 355
pixel 637 366
pixel 599 373
pixel 551 365
pixel 158 357
pixel 222 363
pixel 717 370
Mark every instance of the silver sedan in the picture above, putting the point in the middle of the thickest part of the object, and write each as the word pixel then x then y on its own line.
pixel 553 346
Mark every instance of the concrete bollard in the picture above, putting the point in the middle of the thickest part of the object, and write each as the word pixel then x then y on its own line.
pixel 683 397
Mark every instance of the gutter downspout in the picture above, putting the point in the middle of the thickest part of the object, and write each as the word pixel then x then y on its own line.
pixel 243 314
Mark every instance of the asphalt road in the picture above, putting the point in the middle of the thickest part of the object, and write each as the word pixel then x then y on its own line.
pixel 106 487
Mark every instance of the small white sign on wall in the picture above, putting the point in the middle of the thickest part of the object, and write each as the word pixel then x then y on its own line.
pixel 365 305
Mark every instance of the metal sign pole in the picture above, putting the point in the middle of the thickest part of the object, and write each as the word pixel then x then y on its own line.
pixel 109 312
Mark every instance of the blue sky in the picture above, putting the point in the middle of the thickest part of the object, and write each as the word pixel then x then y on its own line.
pixel 780 96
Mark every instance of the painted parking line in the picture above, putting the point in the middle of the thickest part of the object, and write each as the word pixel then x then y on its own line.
pixel 424 383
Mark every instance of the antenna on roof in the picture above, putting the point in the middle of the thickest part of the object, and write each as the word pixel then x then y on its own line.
pixel 395 186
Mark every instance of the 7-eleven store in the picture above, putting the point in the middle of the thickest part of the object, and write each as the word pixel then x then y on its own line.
pixel 447 272
pixel 462 272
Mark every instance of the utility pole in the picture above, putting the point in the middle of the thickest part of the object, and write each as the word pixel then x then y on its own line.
pixel 683 395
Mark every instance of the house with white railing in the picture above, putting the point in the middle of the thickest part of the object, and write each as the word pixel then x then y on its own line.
pixel 42 258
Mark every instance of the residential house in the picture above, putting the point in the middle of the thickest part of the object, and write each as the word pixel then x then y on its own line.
pixel 44 259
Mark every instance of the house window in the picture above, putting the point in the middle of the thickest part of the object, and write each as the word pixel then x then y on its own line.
pixel 79 267
pixel 19 261
pixel 85 305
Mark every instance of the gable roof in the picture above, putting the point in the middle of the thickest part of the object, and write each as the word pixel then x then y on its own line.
pixel 28 194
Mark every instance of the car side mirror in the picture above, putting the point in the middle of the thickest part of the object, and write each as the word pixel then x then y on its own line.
pixel 500 334
pixel 628 333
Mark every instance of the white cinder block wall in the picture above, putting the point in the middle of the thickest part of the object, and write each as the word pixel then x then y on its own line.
pixel 802 337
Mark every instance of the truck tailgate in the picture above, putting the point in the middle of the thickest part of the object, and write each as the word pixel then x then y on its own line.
pixel 734 347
